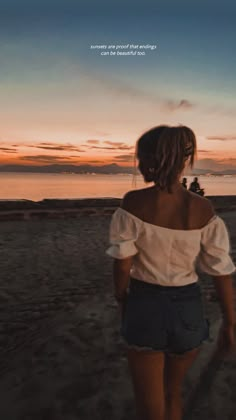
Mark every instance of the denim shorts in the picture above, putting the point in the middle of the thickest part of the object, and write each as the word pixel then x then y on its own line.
pixel 164 318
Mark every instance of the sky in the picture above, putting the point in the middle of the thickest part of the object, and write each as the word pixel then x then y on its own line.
pixel 61 101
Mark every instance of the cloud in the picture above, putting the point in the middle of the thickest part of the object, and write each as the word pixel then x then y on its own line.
pixel 118 145
pixel 93 141
pixel 122 89
pixel 183 104
pixel 90 144
pixel 102 147
pixel 8 150
pixel 111 145
pixel 46 159
pixel 203 151
pixel 58 147
pixel 96 161
pixel 222 138
pixel 124 158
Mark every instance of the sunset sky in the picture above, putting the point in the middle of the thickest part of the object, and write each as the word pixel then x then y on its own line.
pixel 62 102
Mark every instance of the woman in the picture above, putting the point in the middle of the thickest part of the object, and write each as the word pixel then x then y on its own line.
pixel 159 237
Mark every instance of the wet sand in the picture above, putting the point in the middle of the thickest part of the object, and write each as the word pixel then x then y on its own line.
pixel 61 355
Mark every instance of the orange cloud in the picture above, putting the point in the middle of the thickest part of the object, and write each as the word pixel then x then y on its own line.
pixel 118 145
pixel 111 145
pixel 222 138
pixel 125 158
pixel 8 150
pixel 93 141
pixel 58 147
pixel 46 159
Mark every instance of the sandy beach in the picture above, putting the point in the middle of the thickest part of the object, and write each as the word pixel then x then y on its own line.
pixel 61 352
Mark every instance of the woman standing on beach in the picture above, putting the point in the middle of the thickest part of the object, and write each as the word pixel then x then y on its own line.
pixel 159 236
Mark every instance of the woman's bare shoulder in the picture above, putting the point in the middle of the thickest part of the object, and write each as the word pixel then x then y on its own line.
pixel 132 200
pixel 201 207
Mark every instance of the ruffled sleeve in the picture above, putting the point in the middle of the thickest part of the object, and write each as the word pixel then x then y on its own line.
pixel 214 257
pixel 124 230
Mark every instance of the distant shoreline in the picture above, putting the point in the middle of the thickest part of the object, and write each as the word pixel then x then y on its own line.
pixel 198 173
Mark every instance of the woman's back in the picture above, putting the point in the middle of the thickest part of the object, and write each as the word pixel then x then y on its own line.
pixel 170 236
pixel 181 210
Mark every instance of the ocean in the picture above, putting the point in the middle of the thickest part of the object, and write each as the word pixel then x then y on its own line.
pixel 36 187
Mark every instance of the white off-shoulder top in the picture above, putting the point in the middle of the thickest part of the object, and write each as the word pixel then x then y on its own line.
pixel 170 257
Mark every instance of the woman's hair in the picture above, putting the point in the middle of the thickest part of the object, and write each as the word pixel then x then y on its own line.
pixel 162 153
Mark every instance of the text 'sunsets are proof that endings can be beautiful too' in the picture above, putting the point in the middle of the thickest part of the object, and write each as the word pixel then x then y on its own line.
pixel 123 49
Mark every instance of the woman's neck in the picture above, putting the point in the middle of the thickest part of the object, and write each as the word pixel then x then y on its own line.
pixel 175 188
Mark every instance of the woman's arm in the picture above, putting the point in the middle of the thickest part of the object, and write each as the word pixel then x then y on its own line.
pixel 121 277
pixel 226 337
pixel 225 292
pixel 122 266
